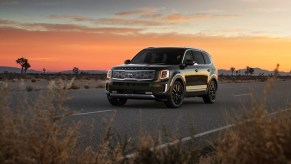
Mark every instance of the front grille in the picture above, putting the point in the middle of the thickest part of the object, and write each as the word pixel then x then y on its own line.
pixel 131 84
pixel 134 74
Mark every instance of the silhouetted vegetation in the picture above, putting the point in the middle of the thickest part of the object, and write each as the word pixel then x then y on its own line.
pixel 48 76
pixel 24 64
pixel 232 70
pixel 75 70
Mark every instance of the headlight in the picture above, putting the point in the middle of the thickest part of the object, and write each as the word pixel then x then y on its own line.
pixel 109 74
pixel 164 74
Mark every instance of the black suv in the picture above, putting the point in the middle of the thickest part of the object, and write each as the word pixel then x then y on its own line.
pixel 165 74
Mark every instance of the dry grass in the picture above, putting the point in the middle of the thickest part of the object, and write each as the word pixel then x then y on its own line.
pixel 257 136
pixel 100 83
pixel 41 131
pixel 33 80
pixel 29 88
pixel 74 86
pixel 34 132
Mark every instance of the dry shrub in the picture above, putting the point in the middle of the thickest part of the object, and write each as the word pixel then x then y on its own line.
pixel 100 83
pixel 29 88
pixel 148 151
pixel 110 150
pixel 257 136
pixel 115 149
pixel 86 86
pixel 33 80
pixel 73 86
pixel 35 131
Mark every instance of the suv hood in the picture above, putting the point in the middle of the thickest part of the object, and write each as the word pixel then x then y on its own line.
pixel 143 67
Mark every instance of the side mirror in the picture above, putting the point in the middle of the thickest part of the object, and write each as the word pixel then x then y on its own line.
pixel 189 62
pixel 127 62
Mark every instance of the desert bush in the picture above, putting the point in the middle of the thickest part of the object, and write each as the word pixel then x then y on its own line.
pixel 29 88
pixel 74 86
pixel 33 80
pixel 257 136
pixel 100 83
pixel 86 86
pixel 35 131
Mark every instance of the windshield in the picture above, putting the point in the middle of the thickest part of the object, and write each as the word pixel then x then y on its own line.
pixel 167 56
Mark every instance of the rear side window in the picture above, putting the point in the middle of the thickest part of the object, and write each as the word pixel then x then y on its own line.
pixel 206 58
pixel 188 56
pixel 198 57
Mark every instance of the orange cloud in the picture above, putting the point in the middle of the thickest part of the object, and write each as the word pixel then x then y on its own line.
pixel 66 27
pixel 136 12
pixel 177 18
pixel 62 50
pixel 144 17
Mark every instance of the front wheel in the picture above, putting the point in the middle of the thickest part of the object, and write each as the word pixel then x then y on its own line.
pixel 116 101
pixel 210 97
pixel 176 95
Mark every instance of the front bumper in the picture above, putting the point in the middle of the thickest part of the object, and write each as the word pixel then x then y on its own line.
pixel 152 90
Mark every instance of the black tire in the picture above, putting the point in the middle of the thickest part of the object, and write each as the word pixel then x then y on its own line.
pixel 116 101
pixel 210 97
pixel 176 95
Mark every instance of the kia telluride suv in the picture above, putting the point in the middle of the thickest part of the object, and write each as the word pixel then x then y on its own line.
pixel 166 74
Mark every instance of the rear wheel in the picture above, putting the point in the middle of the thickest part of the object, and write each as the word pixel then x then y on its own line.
pixel 116 101
pixel 210 97
pixel 177 95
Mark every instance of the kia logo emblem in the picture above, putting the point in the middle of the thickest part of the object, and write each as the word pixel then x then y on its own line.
pixel 129 74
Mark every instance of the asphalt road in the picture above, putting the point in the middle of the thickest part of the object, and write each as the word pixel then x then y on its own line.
pixel 151 117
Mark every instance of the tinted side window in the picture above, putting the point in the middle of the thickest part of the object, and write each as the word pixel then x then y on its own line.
pixel 206 58
pixel 188 56
pixel 198 57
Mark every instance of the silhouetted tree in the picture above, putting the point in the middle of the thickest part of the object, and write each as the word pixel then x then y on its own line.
pixel 232 70
pixel 43 70
pixel 276 71
pixel 251 71
pixel 236 72
pixel 75 70
pixel 24 64
pixel 247 71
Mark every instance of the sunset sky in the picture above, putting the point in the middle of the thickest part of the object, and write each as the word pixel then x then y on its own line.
pixel 94 34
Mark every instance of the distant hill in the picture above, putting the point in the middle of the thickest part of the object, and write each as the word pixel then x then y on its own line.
pixel 15 70
pixel 18 70
pixel 258 71
pixel 84 71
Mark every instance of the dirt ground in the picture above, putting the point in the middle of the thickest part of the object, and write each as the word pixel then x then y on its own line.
pixel 40 84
